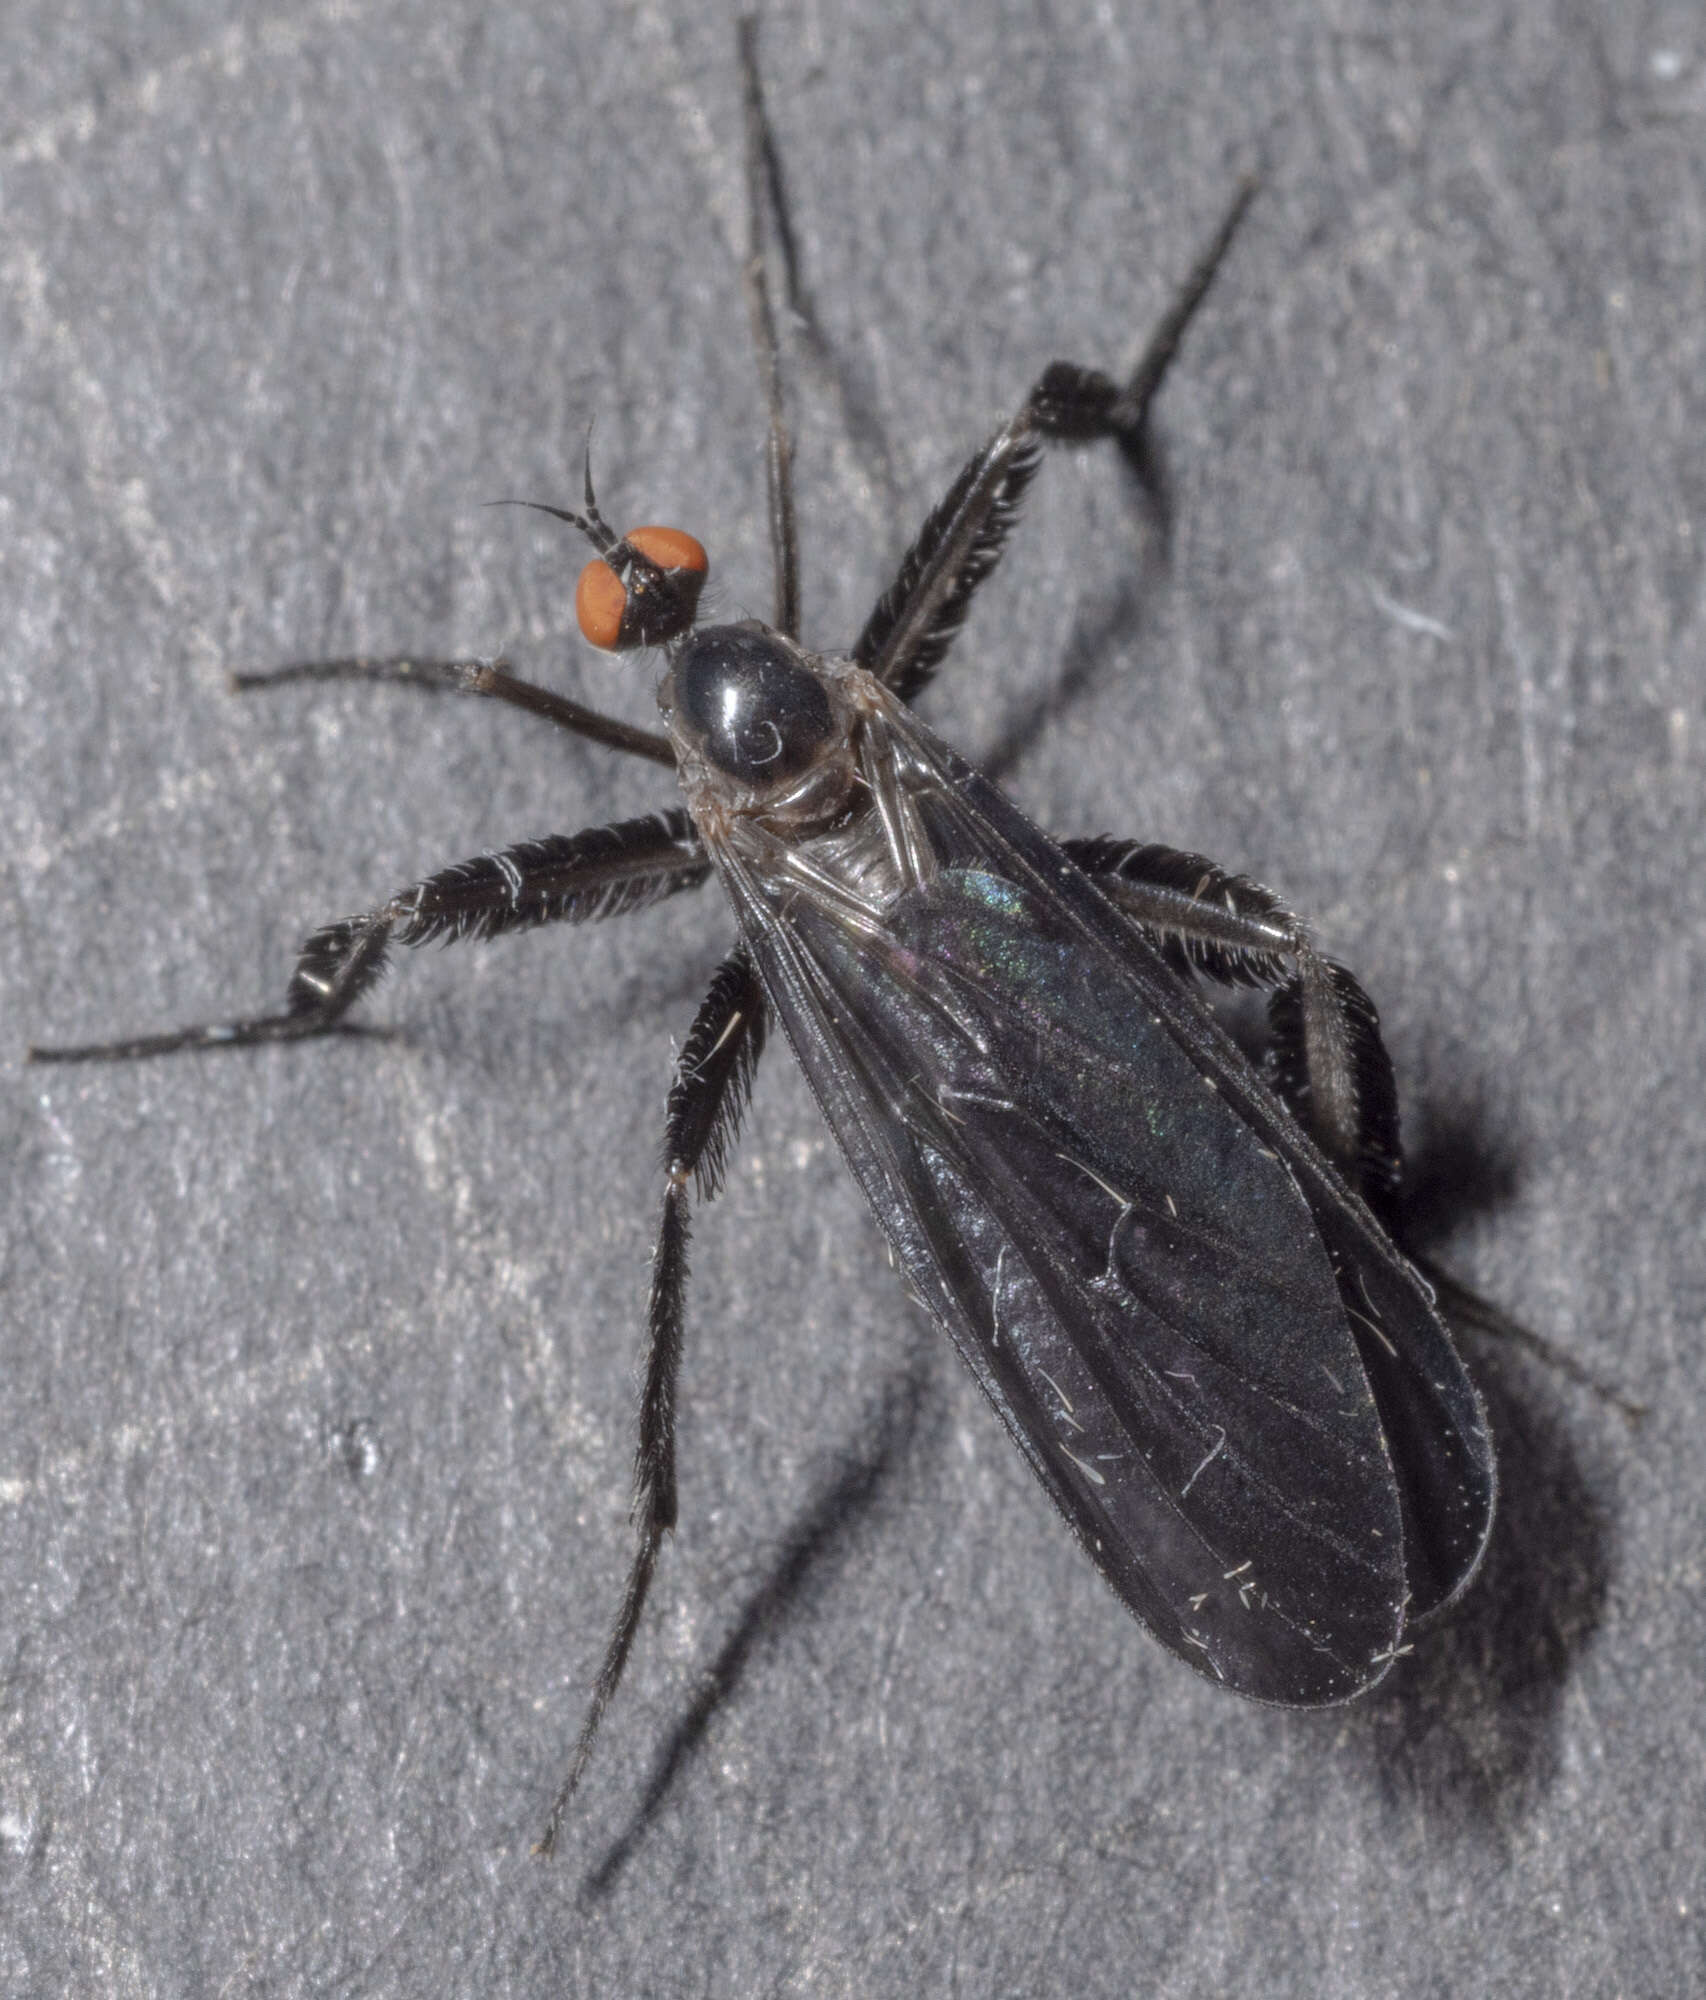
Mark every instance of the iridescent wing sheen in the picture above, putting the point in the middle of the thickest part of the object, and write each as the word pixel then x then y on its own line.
pixel 1228 1379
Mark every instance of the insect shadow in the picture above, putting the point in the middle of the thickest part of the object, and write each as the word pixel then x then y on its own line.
pixel 1474 1728
pixel 821 1538
pixel 1171 1271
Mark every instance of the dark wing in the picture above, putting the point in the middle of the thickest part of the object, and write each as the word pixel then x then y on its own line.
pixel 1195 1334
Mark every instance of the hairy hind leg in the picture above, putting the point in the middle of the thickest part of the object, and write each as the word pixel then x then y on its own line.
pixel 1325 1057
pixel 713 1080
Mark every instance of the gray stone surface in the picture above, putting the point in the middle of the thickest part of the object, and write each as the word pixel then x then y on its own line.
pixel 316 1365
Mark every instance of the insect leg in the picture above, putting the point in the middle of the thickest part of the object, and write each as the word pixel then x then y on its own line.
pixel 763 195
pixel 567 878
pixel 1326 1057
pixel 1074 405
pixel 919 616
pixel 482 677
pixel 713 1081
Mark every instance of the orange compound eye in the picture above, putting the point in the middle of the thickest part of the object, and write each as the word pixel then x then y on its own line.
pixel 669 548
pixel 601 598
pixel 643 591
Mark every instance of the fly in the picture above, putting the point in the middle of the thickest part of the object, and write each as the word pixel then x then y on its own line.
pixel 1121 1223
